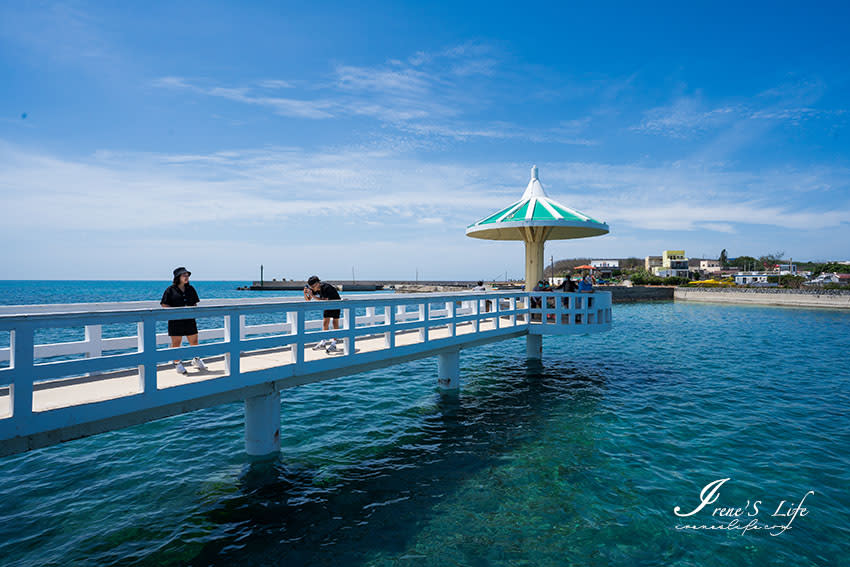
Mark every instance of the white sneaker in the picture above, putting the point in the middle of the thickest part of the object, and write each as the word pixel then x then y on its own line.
pixel 331 348
pixel 321 344
pixel 199 364
pixel 180 368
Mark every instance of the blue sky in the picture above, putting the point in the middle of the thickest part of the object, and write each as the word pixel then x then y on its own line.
pixel 331 137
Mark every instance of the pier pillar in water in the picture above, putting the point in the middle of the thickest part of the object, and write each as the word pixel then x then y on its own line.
pixel 448 370
pixel 262 424
pixel 534 347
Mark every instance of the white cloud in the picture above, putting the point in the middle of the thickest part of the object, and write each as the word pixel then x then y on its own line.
pixel 384 81
pixel 719 227
pixel 115 191
pixel 428 95
pixel 276 84
pixel 296 108
pixel 337 203
pixel 684 118
pixel 689 116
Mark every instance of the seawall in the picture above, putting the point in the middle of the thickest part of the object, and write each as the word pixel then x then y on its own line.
pixel 623 294
pixel 828 299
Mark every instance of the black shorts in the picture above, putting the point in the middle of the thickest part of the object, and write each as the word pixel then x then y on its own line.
pixel 331 314
pixel 182 328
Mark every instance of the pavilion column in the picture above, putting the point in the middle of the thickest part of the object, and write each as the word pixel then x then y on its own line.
pixel 533 262
pixel 535 240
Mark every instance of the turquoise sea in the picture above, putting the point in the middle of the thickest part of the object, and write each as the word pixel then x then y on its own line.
pixel 579 460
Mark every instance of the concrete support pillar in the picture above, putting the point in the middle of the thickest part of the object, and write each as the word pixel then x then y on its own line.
pixel 448 370
pixel 534 347
pixel 262 424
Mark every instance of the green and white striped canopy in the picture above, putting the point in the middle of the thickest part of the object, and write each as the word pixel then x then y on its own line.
pixel 535 209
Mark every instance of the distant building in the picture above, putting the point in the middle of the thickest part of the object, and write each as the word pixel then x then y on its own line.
pixel 652 262
pixel 825 278
pixel 604 268
pixel 787 269
pixel 749 278
pixel 710 266
pixel 673 263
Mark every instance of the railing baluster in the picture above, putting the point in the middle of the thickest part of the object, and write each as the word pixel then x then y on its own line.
pixel 22 359
pixel 233 325
pixel 391 312
pixel 348 327
pixel 423 316
pixel 94 341
pixel 298 345
pixel 147 346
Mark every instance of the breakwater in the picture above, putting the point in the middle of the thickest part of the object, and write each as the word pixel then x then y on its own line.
pixel 821 298
pixel 370 285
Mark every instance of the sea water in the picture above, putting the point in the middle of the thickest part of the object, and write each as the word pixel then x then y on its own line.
pixel 579 460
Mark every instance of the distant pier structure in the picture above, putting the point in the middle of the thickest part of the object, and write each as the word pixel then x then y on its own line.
pixel 359 285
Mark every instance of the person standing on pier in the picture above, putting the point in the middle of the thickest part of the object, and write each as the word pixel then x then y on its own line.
pixel 181 294
pixel 323 291
pixel 586 284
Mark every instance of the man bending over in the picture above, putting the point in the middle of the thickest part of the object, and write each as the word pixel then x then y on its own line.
pixel 323 291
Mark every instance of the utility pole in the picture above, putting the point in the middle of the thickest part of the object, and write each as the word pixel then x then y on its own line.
pixel 353 280
pixel 261 275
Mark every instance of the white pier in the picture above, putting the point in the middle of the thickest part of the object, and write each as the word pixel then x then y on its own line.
pixel 50 393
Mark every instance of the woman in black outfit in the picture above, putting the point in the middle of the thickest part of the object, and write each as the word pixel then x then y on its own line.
pixel 182 294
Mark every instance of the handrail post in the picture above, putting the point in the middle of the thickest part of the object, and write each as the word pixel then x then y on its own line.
pixel 298 345
pixel 94 341
pixel 450 315
pixel 232 336
pixel 348 337
pixel 390 313
pixel 423 317
pixel 22 363
pixel 147 346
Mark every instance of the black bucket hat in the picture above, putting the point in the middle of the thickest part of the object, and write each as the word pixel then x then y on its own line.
pixel 180 271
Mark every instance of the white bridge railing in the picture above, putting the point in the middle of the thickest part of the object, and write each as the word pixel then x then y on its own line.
pixel 107 383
